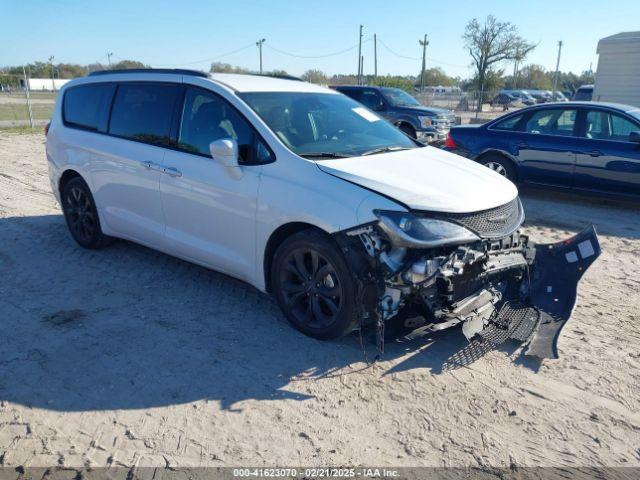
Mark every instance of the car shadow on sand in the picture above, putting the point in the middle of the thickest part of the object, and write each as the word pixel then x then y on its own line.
pixel 128 328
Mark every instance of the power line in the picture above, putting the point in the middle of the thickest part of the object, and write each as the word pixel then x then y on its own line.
pixel 333 54
pixel 210 59
pixel 396 53
pixel 418 58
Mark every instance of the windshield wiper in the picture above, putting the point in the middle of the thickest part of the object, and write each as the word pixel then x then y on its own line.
pixel 324 155
pixel 384 150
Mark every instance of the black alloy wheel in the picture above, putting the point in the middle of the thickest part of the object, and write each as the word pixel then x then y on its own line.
pixel 81 214
pixel 314 286
pixel 312 291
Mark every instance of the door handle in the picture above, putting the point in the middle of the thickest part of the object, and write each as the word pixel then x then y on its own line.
pixel 151 166
pixel 171 171
pixel 594 153
pixel 523 145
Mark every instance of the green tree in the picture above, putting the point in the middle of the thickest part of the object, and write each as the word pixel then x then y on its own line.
pixel 535 77
pixel 278 73
pixel 405 83
pixel 435 77
pixel 315 76
pixel 219 67
pixel 129 65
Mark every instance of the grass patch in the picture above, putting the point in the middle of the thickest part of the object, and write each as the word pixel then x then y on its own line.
pixel 22 130
pixel 17 111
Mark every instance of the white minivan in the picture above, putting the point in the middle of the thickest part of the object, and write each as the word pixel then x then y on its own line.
pixel 305 193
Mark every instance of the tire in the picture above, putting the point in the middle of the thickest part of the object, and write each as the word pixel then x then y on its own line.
pixel 408 130
pixel 500 164
pixel 81 215
pixel 314 286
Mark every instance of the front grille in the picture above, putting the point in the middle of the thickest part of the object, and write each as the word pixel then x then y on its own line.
pixel 444 122
pixel 492 223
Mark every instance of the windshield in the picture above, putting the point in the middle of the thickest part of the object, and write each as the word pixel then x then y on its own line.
pixel 325 125
pixel 635 112
pixel 399 98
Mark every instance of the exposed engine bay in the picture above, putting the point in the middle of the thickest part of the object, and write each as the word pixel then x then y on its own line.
pixel 479 282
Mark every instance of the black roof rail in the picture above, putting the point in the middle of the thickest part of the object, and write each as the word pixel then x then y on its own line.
pixel 175 71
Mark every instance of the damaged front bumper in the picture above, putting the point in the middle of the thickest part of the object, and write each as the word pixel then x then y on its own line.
pixel 497 288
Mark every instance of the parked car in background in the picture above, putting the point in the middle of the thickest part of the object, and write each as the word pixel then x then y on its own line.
pixel 505 100
pixel 426 124
pixel 577 145
pixel 540 96
pixel 558 97
pixel 583 94
pixel 521 95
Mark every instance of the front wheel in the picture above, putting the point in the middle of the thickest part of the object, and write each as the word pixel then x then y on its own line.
pixel 313 285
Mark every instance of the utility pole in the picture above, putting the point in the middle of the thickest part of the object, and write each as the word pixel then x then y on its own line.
pixel 424 44
pixel 53 83
pixel 515 72
pixel 375 56
pixel 555 78
pixel 26 92
pixel 259 44
pixel 362 70
pixel 109 58
pixel 360 57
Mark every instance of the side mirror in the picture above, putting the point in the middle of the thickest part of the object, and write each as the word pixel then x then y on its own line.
pixel 634 137
pixel 225 151
pixel 379 107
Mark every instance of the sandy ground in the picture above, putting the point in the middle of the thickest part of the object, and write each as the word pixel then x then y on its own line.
pixel 129 357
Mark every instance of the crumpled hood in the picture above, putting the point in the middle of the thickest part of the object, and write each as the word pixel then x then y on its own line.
pixel 426 179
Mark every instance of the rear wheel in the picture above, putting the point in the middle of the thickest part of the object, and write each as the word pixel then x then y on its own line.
pixel 500 164
pixel 313 285
pixel 81 215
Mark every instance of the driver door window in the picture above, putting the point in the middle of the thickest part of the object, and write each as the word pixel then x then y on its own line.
pixel 206 117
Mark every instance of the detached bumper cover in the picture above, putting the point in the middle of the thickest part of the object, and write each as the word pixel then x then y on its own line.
pixel 557 269
pixel 538 322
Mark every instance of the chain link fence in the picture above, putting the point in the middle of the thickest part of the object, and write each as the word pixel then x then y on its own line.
pixel 22 108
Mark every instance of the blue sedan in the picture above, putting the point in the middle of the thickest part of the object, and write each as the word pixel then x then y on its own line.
pixel 577 145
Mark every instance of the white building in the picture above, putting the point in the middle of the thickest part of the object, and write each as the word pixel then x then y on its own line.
pixel 618 74
pixel 46 84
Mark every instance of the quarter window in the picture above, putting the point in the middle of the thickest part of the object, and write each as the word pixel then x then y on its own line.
pixel 144 112
pixel 552 122
pixel 602 125
pixel 508 124
pixel 87 106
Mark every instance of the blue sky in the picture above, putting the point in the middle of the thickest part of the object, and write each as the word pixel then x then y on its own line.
pixel 191 34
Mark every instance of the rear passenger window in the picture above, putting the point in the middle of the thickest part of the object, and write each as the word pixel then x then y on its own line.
pixel 87 106
pixel 608 126
pixel 144 112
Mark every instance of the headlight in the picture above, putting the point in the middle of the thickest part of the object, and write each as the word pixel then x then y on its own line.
pixel 424 121
pixel 407 230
